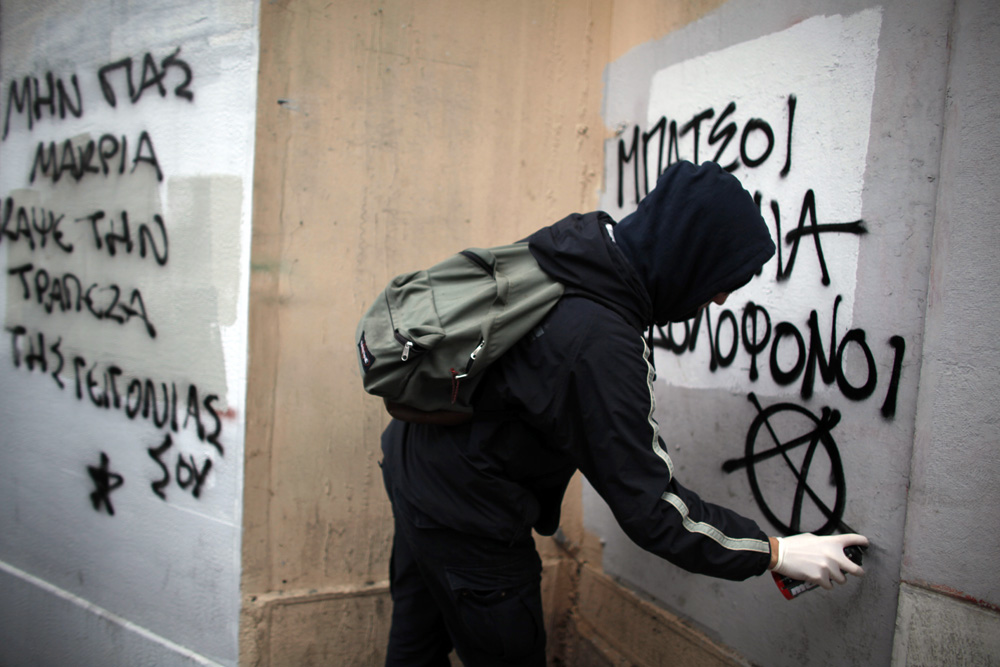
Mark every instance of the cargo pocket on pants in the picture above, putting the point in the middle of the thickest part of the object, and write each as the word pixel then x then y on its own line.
pixel 500 612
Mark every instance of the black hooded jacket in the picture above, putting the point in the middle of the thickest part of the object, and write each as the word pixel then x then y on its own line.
pixel 580 385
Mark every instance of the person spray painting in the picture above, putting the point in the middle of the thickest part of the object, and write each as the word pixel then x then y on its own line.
pixel 577 394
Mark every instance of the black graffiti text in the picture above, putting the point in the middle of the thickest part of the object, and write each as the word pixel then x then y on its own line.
pixel 755 146
pixel 36 98
pixel 100 157
pixel 107 386
pixel 151 76
pixel 754 334
pixel 186 472
pixel 34 353
pixel 807 226
pixel 66 293
pixel 113 236
pixel 34 225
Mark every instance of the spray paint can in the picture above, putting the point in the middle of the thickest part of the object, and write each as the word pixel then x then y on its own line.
pixel 792 588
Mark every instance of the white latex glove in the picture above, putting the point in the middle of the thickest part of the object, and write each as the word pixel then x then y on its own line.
pixel 818 559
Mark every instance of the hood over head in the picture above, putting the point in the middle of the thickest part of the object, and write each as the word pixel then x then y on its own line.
pixel 578 252
pixel 697 234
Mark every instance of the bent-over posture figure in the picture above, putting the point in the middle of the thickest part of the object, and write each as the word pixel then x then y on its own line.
pixel 577 393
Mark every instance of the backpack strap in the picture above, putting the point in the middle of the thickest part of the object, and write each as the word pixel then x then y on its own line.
pixel 437 417
pixel 444 417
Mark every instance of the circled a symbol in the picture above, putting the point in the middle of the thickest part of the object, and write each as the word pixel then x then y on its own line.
pixel 803 436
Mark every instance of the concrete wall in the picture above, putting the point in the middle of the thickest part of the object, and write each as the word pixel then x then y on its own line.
pixel 952 545
pixel 390 135
pixel 126 172
pixel 833 114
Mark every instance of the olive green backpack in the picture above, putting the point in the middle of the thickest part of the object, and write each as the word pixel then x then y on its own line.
pixel 424 343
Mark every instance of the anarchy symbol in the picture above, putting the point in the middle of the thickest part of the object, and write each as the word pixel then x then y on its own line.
pixel 808 473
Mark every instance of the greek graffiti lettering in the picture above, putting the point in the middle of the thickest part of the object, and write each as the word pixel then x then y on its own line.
pixel 78 160
pixel 51 287
pixel 754 334
pixel 668 139
pixel 100 383
pixel 28 99
pixel 187 472
pixel 151 77
pixel 115 233
pixel 102 302
pixel 35 98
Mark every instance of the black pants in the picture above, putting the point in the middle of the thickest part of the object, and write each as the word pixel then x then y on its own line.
pixel 478 595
